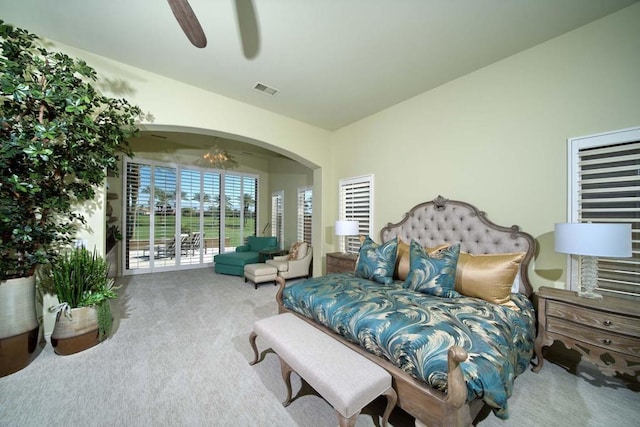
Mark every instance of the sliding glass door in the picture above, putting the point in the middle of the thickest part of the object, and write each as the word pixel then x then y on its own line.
pixel 181 216
pixel 163 221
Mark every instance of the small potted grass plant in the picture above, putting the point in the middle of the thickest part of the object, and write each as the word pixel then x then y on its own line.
pixel 79 279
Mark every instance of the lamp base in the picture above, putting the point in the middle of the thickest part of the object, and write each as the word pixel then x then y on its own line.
pixel 589 273
pixel 589 294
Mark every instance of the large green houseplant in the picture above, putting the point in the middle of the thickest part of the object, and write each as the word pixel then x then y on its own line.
pixel 58 137
pixel 80 280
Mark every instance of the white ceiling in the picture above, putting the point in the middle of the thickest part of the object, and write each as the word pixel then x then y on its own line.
pixel 333 61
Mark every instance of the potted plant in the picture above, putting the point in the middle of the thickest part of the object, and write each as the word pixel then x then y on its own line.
pixel 79 279
pixel 58 136
pixel 113 236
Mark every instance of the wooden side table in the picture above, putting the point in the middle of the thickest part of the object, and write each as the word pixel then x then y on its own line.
pixel 338 262
pixel 264 255
pixel 604 331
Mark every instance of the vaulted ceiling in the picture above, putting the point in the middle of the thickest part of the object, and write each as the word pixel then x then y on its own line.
pixel 332 61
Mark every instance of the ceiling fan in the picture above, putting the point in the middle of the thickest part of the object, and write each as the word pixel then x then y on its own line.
pixel 247 25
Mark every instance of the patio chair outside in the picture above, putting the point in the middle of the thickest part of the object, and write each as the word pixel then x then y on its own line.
pixel 196 242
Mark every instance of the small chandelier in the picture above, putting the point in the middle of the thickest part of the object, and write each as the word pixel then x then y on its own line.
pixel 219 158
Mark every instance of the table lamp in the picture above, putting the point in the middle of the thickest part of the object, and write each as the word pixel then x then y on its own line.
pixel 347 228
pixel 590 241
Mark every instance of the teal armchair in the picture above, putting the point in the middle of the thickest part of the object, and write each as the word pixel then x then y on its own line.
pixel 233 262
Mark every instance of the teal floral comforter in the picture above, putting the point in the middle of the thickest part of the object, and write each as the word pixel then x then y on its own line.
pixel 414 331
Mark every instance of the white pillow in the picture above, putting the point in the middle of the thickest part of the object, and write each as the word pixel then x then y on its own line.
pixel 302 250
pixel 515 288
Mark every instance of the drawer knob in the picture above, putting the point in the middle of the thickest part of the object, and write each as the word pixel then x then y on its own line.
pixel 607 323
pixel 606 341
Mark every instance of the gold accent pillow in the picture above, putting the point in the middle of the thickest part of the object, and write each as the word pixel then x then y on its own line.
pixel 402 259
pixel 488 277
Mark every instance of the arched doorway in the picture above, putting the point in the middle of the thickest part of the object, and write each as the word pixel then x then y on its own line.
pixel 178 210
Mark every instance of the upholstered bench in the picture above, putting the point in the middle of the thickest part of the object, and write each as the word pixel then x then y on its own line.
pixel 260 273
pixel 344 378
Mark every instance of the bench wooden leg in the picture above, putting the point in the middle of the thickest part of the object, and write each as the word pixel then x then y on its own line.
pixel 392 399
pixel 347 422
pixel 286 376
pixel 252 341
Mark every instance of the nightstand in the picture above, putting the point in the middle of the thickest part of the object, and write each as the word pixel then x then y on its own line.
pixel 604 331
pixel 338 262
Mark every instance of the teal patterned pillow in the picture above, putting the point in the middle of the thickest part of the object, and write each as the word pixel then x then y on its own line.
pixel 435 275
pixel 377 262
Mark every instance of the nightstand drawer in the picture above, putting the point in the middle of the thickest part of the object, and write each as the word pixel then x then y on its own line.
pixel 613 342
pixel 604 331
pixel 341 263
pixel 592 318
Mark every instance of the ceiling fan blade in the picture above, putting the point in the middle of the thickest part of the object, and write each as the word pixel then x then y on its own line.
pixel 248 28
pixel 188 22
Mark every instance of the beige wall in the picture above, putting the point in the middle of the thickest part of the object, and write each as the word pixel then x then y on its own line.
pixel 274 175
pixel 179 107
pixel 497 137
pixel 288 176
pixel 147 147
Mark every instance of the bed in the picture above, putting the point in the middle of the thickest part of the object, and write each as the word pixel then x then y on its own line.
pixel 451 319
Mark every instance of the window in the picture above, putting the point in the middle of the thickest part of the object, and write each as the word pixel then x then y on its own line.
pixel 240 193
pixel 174 216
pixel 355 203
pixel 305 208
pixel 277 224
pixel 604 186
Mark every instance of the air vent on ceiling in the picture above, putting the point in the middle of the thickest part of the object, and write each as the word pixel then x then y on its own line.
pixel 265 89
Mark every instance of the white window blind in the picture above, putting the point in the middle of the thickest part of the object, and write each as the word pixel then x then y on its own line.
pixel 249 204
pixel 163 195
pixel 277 224
pixel 355 203
pixel 138 210
pixel 232 208
pixel 305 209
pixel 606 172
pixel 181 216
pixel 211 206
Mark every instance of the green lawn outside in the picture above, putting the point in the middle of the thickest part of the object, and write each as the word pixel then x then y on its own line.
pixel 165 227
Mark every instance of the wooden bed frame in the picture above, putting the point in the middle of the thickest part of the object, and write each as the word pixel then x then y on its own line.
pixel 433 223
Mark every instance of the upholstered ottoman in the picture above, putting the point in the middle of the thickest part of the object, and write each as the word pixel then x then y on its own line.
pixel 260 273
pixel 344 378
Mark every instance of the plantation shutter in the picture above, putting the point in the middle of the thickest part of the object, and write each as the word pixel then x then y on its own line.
pixel 232 209
pixel 138 208
pixel 355 203
pixel 249 204
pixel 609 191
pixel 605 188
pixel 305 209
pixel 211 207
pixel 167 206
pixel 165 232
pixel 277 228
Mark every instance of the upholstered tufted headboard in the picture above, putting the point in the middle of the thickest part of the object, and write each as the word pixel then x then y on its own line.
pixel 450 221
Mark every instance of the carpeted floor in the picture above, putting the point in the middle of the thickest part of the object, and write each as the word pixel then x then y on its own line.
pixel 180 356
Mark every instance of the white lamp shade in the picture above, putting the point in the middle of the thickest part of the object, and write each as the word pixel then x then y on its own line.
pixel 594 239
pixel 347 228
